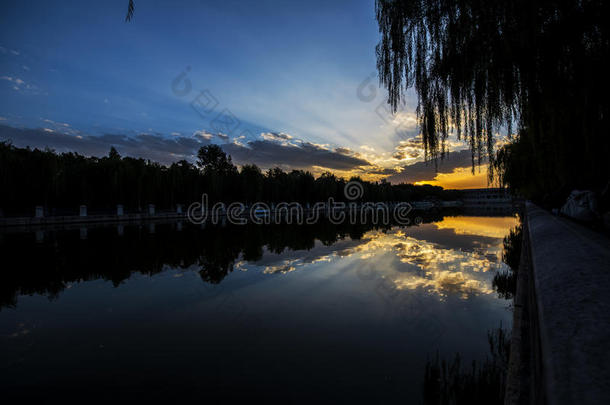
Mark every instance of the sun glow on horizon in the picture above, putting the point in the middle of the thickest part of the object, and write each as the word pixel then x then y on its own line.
pixel 461 178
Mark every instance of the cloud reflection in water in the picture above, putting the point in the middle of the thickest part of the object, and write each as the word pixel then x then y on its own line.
pixel 412 260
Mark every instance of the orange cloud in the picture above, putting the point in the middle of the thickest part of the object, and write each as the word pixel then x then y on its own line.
pixel 460 178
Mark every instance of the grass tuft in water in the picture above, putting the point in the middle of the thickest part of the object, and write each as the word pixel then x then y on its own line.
pixel 449 383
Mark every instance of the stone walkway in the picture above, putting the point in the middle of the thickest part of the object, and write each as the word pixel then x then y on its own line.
pixel 570 290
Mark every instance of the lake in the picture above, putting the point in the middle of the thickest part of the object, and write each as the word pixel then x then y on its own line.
pixel 324 313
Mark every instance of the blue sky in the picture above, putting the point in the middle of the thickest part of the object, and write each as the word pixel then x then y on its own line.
pixel 265 77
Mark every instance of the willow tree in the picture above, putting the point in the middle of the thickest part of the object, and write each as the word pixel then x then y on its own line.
pixel 479 66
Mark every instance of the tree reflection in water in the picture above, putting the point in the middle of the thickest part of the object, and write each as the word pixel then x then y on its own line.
pixel 61 258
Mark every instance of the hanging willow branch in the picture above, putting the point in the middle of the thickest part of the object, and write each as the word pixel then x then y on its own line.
pixel 130 8
pixel 479 65
pixel 457 57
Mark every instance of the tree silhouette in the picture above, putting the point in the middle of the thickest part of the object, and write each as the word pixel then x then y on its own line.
pixel 479 66
pixel 213 160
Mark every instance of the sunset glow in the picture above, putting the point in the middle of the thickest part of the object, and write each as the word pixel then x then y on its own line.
pixel 460 178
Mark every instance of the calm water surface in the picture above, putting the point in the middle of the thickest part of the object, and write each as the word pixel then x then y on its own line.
pixel 319 313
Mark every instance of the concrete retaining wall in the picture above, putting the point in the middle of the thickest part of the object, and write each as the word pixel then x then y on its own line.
pixel 561 335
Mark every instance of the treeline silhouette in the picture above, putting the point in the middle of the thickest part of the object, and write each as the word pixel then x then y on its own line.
pixel 62 182
pixel 47 267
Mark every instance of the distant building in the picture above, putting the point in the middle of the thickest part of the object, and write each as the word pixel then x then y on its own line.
pixel 489 201
pixel 485 196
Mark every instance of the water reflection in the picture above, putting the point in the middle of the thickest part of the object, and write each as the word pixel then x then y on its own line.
pixel 493 227
pixel 291 313
pixel 437 264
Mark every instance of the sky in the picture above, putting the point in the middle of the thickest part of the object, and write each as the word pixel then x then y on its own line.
pixel 275 83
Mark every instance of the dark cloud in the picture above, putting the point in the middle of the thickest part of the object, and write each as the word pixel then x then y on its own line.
pixel 149 146
pixel 427 171
pixel 301 155
pixel 383 171
pixel 166 150
pixel 343 151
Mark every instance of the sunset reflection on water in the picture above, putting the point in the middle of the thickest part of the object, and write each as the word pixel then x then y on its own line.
pixel 277 310
pixel 461 262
